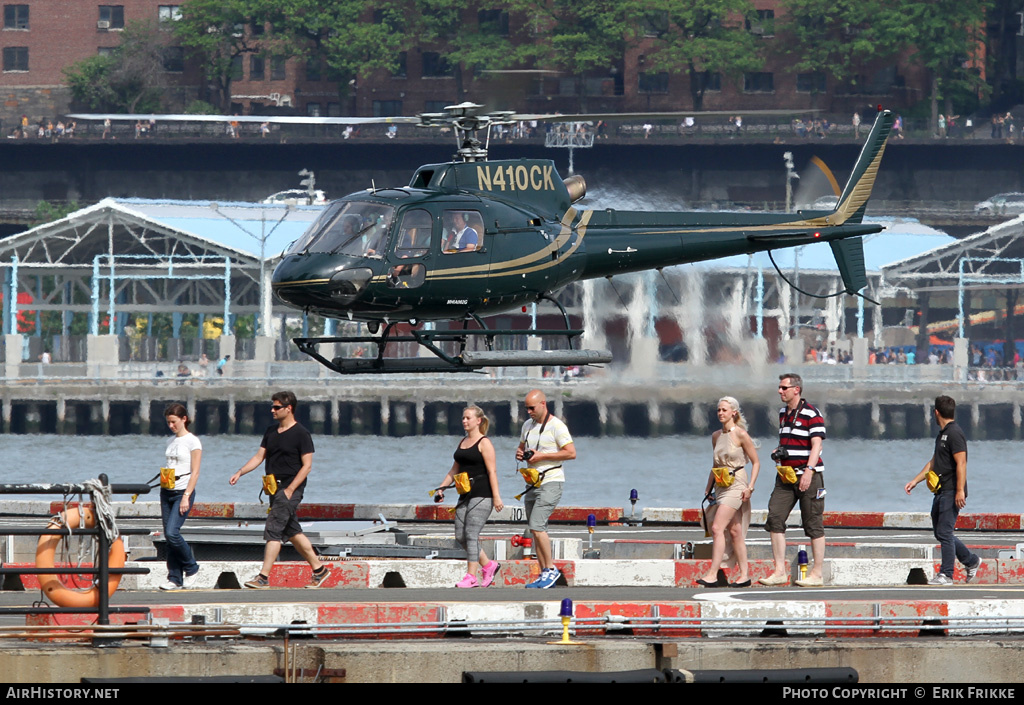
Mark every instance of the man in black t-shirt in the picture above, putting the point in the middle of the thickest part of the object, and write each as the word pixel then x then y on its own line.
pixel 949 463
pixel 288 449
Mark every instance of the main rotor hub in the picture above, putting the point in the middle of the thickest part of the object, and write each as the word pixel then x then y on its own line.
pixel 466 121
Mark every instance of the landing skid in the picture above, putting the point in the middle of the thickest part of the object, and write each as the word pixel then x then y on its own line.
pixel 463 361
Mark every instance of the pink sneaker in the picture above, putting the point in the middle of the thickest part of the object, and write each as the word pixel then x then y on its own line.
pixel 468 581
pixel 490 570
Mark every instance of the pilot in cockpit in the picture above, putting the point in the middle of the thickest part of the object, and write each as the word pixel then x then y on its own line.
pixel 373 237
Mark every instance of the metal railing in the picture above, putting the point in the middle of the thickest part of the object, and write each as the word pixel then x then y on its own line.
pixel 101 567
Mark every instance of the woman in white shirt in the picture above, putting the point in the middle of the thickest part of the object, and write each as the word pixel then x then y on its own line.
pixel 184 454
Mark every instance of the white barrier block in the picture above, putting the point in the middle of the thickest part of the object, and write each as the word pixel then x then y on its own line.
pixel 662 514
pixel 209 574
pixel 626 573
pixel 418 574
pixel 486 612
pixel 871 571
pixel 966 609
pixel 907 520
pixel 760 613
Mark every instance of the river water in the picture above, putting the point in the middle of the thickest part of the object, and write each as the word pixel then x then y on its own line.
pixel 862 475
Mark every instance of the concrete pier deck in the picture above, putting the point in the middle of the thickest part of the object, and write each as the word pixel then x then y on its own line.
pixel 634 607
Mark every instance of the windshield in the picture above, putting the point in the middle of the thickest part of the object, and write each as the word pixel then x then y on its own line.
pixel 352 228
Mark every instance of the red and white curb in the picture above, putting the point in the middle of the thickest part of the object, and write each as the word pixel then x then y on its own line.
pixel 512 513
pixel 843 614
pixel 435 574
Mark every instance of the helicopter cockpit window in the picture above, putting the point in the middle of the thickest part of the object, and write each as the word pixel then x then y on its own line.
pixel 351 228
pixel 414 237
pixel 463 231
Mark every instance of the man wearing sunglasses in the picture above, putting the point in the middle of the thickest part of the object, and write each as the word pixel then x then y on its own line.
pixel 800 479
pixel 543 445
pixel 288 449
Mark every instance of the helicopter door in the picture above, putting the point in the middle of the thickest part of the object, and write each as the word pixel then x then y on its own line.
pixel 411 246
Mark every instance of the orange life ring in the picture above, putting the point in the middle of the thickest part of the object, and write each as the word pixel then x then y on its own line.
pixel 50 584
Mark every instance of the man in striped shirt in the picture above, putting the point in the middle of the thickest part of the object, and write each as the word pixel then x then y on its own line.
pixel 801 433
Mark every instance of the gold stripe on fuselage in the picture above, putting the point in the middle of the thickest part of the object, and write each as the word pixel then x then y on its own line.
pixel 304 282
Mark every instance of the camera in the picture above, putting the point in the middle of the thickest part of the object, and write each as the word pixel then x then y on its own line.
pixel 780 454
pixel 527 454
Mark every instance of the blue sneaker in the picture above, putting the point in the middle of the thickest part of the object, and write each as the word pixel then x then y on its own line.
pixel 548 578
pixel 542 581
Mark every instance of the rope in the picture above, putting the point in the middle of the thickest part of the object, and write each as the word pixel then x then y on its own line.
pixel 104 508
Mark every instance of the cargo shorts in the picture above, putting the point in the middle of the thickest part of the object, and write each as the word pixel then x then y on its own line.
pixel 283 519
pixel 540 502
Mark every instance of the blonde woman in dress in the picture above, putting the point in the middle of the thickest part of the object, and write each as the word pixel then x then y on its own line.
pixel 733 448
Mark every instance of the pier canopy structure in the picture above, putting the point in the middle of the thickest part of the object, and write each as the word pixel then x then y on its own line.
pixel 979 279
pixel 135 258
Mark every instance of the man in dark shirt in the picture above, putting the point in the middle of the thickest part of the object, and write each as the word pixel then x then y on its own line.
pixel 288 449
pixel 949 462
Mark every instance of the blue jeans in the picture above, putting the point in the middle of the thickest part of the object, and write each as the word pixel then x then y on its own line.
pixel 944 514
pixel 179 556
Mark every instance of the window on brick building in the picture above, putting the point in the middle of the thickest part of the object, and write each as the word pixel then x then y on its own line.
pixel 174 59
pixel 313 109
pixel 277 65
pixel 387 108
pixel 762 24
pixel 402 70
pixel 15 16
pixel 653 82
pixel 712 81
pixel 758 82
pixel 236 68
pixel 437 106
pixel 15 58
pixel 168 13
pixel 493 22
pixel 813 82
pixel 257 68
pixel 655 24
pixel 435 65
pixel 111 17
pixel 314 72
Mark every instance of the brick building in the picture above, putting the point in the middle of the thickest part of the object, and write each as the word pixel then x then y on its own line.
pixel 39 38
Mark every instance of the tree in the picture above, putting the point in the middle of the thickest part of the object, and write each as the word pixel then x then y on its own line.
pixel 700 37
pixel 219 33
pixel 130 79
pixel 579 36
pixel 352 37
pixel 947 37
pixel 468 47
pixel 840 37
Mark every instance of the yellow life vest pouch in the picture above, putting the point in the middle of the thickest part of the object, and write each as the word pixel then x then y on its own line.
pixel 167 478
pixel 723 476
pixel 787 474
pixel 270 484
pixel 932 479
pixel 462 483
pixel 531 475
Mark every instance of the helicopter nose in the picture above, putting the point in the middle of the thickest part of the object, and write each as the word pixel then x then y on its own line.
pixel 299 284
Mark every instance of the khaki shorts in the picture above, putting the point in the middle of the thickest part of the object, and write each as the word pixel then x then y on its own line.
pixel 784 498
pixel 540 502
